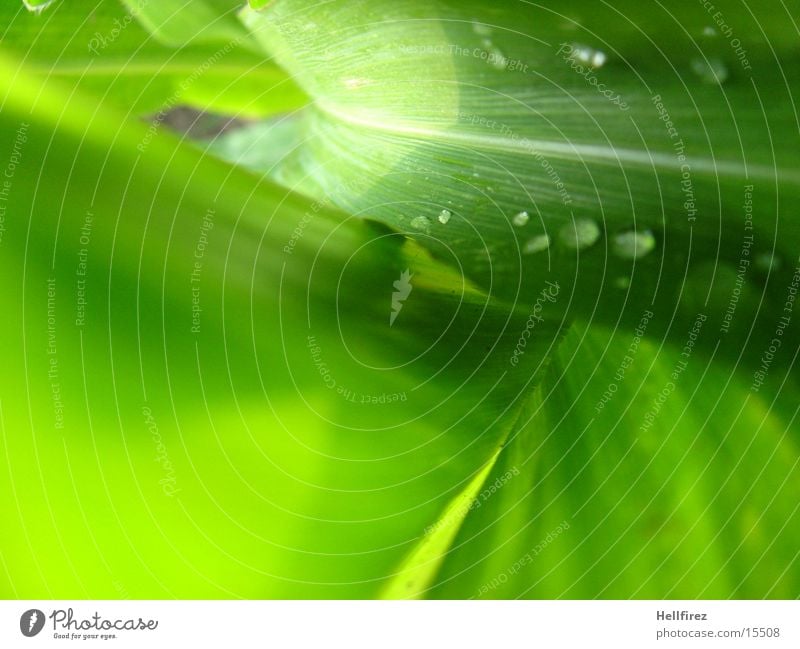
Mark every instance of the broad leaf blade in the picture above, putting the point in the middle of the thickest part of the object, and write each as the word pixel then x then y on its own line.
pixel 220 462
pixel 645 485
pixel 102 48
pixel 481 113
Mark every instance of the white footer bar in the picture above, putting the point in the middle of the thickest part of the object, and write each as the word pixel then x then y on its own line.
pixel 389 625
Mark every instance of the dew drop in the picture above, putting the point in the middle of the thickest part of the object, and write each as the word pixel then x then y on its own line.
pixel 633 245
pixel 444 216
pixel 581 233
pixel 539 243
pixel 521 219
pixel 481 29
pixel 494 56
pixel 571 25
pixel 622 282
pixel 421 223
pixel 712 71
pixel 767 263
pixel 590 56
pixel 498 59
pixel 38 7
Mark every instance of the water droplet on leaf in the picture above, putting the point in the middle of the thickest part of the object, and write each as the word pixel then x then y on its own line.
pixel 481 29
pixel 767 263
pixel 520 219
pixel 633 244
pixel 590 56
pixel 444 216
pixel 579 234
pixel 712 71
pixel 497 59
pixel 37 8
pixel 421 223
pixel 536 244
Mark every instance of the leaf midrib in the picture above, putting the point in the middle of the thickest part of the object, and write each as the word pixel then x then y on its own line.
pixel 561 150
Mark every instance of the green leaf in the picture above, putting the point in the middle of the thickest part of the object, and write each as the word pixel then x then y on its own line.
pixel 260 147
pixel 104 50
pixel 492 118
pixel 177 23
pixel 322 490
pixel 419 569
pixel 491 113
pixel 345 370
pixel 37 6
pixel 644 485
